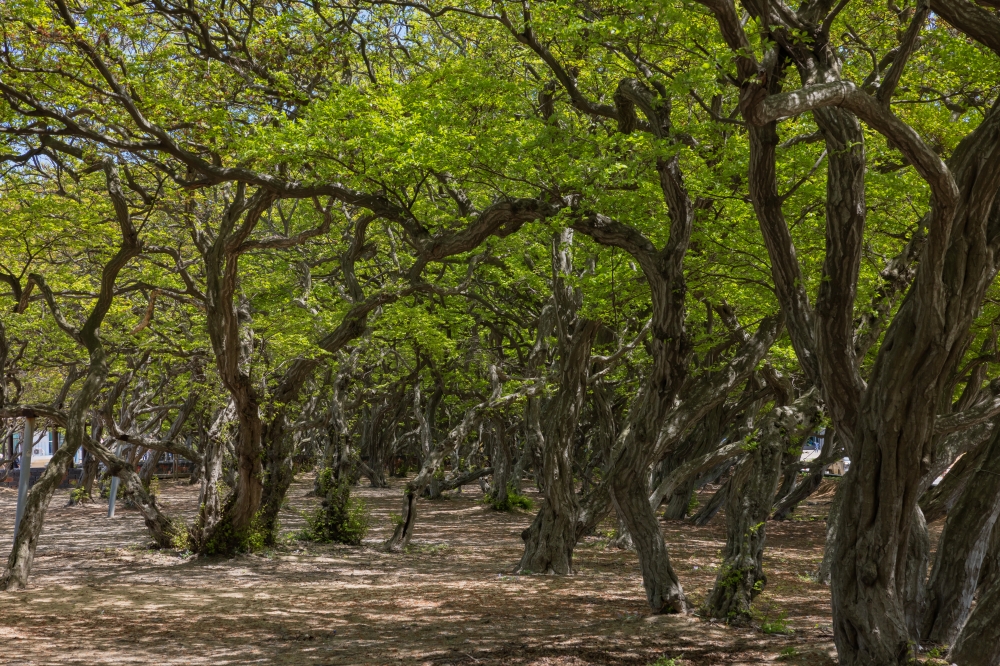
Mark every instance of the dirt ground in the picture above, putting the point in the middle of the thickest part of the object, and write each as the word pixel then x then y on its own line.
pixel 99 595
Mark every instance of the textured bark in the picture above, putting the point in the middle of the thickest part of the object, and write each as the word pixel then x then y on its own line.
pixel 937 502
pixel 500 457
pixel 749 503
pixel 148 469
pixel 990 571
pixel 978 644
pixel 961 549
pixel 914 587
pixel 680 500
pixel 741 573
pixel 823 575
pixel 549 541
pixel 890 422
pixel 712 506
pixel 807 486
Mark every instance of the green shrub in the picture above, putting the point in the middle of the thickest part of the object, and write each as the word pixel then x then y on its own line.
pixel 693 503
pixel 512 502
pixel 227 541
pixel 663 661
pixel 778 625
pixel 105 488
pixel 339 518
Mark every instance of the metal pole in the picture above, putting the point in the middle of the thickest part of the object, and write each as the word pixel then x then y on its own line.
pixel 114 489
pixel 22 486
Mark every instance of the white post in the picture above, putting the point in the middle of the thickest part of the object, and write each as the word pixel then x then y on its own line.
pixel 114 488
pixel 22 487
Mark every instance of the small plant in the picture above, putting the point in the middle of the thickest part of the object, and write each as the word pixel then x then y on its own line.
pixel 937 651
pixel 105 488
pixel 513 501
pixel 182 540
pixel 692 503
pixel 664 661
pixel 787 653
pixel 79 495
pixel 340 518
pixel 778 625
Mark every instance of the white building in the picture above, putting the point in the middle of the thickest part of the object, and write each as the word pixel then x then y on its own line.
pixel 43 446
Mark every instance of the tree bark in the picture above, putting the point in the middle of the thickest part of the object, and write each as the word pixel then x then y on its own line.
pixel 978 644
pixel 938 502
pixel 808 485
pixel 961 551
pixel 713 506
pixel 749 503
pixel 914 588
pixel 549 541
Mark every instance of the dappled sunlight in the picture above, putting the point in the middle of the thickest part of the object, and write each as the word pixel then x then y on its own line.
pixel 100 596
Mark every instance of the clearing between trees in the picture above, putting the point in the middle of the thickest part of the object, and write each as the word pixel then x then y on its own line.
pixel 100 596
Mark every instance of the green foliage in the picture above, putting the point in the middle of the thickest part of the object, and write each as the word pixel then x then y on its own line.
pixel 513 501
pixel 227 540
pixel 693 503
pixel 938 651
pixel 776 625
pixel 182 539
pixel 78 495
pixel 105 489
pixel 340 518
pixel 788 652
pixel 663 661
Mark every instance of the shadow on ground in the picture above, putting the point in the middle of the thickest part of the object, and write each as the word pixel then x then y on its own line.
pixel 99 596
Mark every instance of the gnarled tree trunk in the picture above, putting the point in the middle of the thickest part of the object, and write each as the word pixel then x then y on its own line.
pixel 961 550
pixel 549 541
pixel 749 502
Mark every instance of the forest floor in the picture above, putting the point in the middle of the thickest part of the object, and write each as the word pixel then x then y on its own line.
pixel 99 595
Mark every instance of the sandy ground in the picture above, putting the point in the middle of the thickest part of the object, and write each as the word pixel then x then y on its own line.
pixel 98 595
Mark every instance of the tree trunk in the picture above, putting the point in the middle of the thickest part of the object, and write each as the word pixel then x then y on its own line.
pixel 713 506
pixel 23 553
pixel 808 485
pixel 937 502
pixel 278 447
pixel 990 571
pixel 148 470
pixel 677 507
pixel 961 550
pixel 210 498
pixel 978 644
pixel 750 498
pixel 549 541
pixel 914 588
pixel 166 532
pixel 90 468
pixel 30 528
pixel 631 497
pixel 500 459
pixel 823 575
